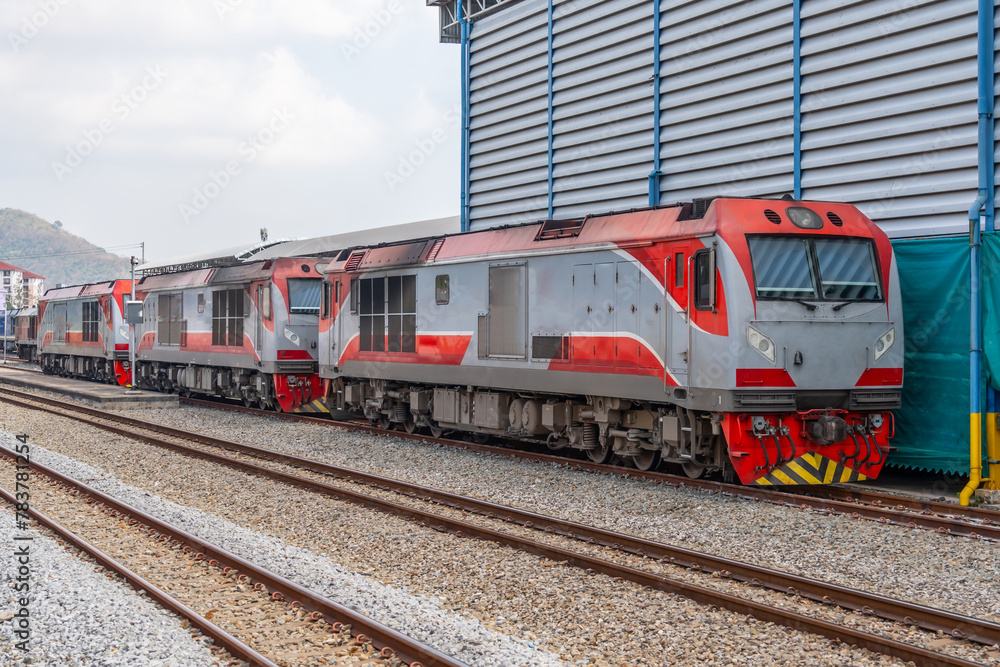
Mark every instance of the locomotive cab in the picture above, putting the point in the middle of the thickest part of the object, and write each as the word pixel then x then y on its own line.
pixel 814 319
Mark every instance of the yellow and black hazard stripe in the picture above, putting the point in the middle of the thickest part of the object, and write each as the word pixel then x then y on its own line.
pixel 810 468
pixel 317 406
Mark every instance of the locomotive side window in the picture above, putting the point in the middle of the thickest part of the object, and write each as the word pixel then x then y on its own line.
pixel 91 321
pixel 704 280
pixel 388 314
pixel 265 301
pixel 442 289
pixel 227 317
pixel 326 302
pixel 679 269
pixel 304 295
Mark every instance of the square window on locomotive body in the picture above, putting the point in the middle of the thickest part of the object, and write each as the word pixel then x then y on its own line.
pixel 442 289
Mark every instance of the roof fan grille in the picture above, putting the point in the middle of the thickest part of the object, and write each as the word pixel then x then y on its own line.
pixel 435 249
pixel 354 261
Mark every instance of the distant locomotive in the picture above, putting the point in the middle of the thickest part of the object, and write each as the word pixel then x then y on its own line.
pixel 81 333
pixel 752 337
pixel 246 332
pixel 17 332
pixel 26 333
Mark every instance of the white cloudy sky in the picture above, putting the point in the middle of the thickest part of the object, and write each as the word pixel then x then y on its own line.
pixel 120 117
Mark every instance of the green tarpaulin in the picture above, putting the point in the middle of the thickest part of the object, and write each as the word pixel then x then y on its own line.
pixel 932 427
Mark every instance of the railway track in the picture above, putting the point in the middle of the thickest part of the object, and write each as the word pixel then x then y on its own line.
pixel 269 620
pixel 941 517
pixel 955 625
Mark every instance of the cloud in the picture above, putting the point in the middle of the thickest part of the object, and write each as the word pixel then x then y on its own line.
pixel 82 83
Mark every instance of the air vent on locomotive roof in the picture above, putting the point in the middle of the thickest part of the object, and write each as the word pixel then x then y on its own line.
pixel 835 219
pixel 696 209
pixel 354 261
pixel 772 216
pixel 435 249
pixel 559 229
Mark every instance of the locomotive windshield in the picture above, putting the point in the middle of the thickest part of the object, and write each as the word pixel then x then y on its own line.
pixel 831 269
pixel 303 295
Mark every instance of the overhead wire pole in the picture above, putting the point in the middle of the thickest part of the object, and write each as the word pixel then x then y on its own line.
pixel 131 331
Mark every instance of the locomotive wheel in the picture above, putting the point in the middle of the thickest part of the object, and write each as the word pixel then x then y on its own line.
pixel 649 459
pixel 384 423
pixel 436 431
pixel 693 469
pixel 409 426
pixel 601 454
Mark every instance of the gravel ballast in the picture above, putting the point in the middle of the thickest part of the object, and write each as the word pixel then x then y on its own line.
pixel 583 619
pixel 79 617
pixel 953 573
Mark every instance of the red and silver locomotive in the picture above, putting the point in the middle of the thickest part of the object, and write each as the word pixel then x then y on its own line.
pixel 81 333
pixel 752 337
pixel 245 332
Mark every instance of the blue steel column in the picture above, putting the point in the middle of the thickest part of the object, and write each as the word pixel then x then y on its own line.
pixel 464 213
pixel 797 99
pixel 654 176
pixel 550 123
pixel 992 480
pixel 985 109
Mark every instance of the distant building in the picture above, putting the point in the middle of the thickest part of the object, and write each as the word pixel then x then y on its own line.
pixel 23 287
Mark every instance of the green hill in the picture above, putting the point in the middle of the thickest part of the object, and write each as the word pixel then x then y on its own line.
pixel 34 244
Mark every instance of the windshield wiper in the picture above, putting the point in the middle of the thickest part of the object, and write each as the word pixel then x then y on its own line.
pixel 810 306
pixel 841 305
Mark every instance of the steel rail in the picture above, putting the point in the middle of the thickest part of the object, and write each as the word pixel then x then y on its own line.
pixel 957 625
pixel 928 618
pixel 381 636
pixel 907 503
pixel 223 639
pixel 948 518
pixel 947 525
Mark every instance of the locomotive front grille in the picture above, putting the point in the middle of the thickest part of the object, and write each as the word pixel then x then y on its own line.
pixel 296 366
pixel 769 400
pixel 876 400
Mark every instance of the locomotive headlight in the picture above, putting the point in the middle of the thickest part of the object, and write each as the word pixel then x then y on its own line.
pixel 761 343
pixel 884 342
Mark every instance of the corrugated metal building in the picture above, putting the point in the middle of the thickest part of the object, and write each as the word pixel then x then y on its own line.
pixel 584 106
